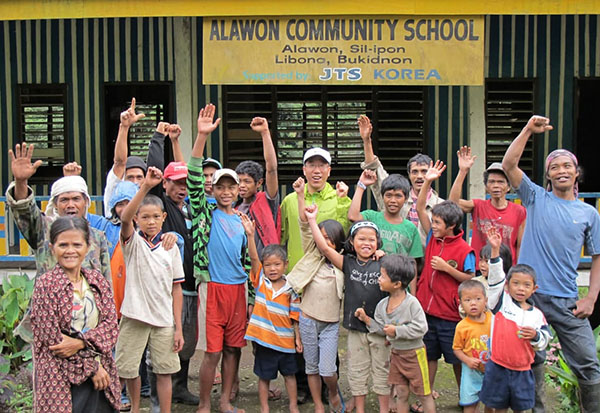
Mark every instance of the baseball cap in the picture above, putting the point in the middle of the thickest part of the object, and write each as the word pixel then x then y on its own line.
pixel 136 162
pixel 496 167
pixel 225 172
pixel 176 171
pixel 312 152
pixel 212 162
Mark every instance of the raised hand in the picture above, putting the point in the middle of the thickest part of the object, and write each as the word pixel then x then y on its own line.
pixel 364 127
pixel 311 212
pixel 129 117
pixel 246 223
pixel 205 119
pixel 435 171
pixel 538 124
pixel 72 169
pixel 298 186
pixel 494 238
pixel 174 132
pixel 341 189
pixel 368 177
pixel 465 159
pixel 153 177
pixel 259 125
pixel 163 128
pixel 20 162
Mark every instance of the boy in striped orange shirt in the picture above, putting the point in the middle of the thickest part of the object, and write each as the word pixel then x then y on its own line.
pixel 273 326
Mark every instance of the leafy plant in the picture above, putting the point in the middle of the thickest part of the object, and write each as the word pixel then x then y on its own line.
pixel 15 354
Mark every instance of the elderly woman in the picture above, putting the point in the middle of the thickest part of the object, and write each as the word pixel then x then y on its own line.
pixel 74 325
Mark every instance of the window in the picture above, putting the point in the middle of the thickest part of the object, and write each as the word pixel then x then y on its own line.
pixel 302 117
pixel 42 121
pixel 509 105
pixel 144 128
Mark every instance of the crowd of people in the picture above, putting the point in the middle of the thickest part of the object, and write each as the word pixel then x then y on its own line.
pixel 193 255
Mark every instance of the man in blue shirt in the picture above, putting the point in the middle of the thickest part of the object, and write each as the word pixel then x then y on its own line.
pixel 558 225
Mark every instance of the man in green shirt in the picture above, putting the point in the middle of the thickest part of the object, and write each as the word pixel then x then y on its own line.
pixel 332 203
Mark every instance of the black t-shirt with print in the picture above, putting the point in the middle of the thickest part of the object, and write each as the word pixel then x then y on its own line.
pixel 361 290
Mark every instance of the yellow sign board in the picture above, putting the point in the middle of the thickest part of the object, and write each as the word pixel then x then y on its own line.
pixel 387 50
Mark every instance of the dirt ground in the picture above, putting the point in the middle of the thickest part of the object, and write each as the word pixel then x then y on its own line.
pixel 248 395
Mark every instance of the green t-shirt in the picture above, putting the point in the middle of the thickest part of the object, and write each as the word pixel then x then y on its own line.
pixel 401 238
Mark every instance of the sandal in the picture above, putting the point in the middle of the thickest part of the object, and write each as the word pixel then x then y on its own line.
pixel 217 379
pixel 274 393
pixel 416 407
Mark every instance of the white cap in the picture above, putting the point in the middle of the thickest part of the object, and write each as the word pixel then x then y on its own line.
pixel 317 152
pixel 220 173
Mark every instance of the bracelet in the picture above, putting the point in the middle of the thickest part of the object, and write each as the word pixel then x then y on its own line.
pixel 361 185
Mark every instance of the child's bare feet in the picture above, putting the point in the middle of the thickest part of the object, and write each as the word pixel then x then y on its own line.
pixel 294 409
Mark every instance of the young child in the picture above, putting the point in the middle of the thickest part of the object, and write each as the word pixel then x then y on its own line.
pixel 153 298
pixel 449 260
pixel 221 263
pixel 518 330
pixel 399 235
pixel 273 325
pixel 400 318
pixel 366 352
pixel 322 287
pixel 471 342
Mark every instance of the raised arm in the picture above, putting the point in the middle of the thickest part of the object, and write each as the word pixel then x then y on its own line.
pixel 434 172
pixel 128 118
pixel 298 186
pixel 153 178
pixel 366 128
pixel 465 162
pixel 510 162
pixel 366 179
pixel 206 126
pixel 261 126
pixel 22 168
pixel 252 251
pixel 330 253
pixel 174 133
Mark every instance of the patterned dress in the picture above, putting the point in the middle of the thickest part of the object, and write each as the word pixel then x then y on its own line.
pixel 52 314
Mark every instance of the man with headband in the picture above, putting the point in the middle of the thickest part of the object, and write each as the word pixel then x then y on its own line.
pixel 558 225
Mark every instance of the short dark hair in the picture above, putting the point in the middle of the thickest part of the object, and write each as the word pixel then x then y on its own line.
pixel 152 200
pixel 486 175
pixel 335 232
pixel 450 213
pixel 63 224
pixel 251 168
pixel 349 246
pixel 273 250
pixel 523 269
pixel 470 285
pixel 400 268
pixel 419 158
pixel 505 254
pixel 394 182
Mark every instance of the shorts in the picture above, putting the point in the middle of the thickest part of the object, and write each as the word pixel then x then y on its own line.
pixel 368 355
pixel 439 339
pixel 267 362
pixel 409 368
pixel 470 386
pixel 226 316
pixel 503 388
pixel 320 343
pixel 133 337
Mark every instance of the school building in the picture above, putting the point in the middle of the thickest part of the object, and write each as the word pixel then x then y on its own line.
pixel 68 68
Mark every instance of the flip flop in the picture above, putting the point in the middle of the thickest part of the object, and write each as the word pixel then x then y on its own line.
pixel 342 408
pixel 275 394
pixel 416 407
pixel 217 379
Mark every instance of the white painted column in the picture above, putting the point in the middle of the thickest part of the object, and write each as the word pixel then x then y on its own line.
pixel 477 134
pixel 182 38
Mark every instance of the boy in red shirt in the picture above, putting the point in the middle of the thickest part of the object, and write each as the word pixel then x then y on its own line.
pixel 449 260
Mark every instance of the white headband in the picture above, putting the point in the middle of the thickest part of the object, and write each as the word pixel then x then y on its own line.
pixel 63 185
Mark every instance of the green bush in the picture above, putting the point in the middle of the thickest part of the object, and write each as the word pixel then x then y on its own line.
pixel 15 354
